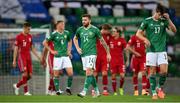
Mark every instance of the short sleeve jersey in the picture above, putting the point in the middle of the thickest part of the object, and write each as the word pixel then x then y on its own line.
pixel 88 37
pixel 155 33
pixel 24 43
pixel 60 41
pixel 138 45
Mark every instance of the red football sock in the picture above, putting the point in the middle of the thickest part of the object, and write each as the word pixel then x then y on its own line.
pixel 144 79
pixel 22 81
pixel 147 84
pixel 105 82
pixel 121 82
pixel 50 84
pixel 114 84
pixel 25 88
pixel 135 82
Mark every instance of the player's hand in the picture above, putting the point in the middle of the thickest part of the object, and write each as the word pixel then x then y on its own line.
pixel 166 15
pixel 54 52
pixel 14 64
pixel 43 62
pixel 79 51
pixel 147 43
pixel 108 57
pixel 127 63
pixel 138 55
pixel 69 54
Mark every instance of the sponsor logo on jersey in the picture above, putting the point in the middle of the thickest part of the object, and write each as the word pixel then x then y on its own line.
pixel 65 36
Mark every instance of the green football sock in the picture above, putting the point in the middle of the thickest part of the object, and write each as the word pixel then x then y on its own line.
pixel 162 80
pixel 152 80
pixel 94 83
pixel 56 83
pixel 87 83
pixel 69 81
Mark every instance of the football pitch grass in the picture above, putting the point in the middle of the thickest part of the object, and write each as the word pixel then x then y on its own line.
pixel 76 99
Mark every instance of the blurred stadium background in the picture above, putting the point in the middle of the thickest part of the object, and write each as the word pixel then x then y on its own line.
pixel 126 14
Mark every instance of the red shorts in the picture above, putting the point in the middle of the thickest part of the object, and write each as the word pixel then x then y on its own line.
pixel 50 63
pixel 101 64
pixel 138 64
pixel 117 68
pixel 25 64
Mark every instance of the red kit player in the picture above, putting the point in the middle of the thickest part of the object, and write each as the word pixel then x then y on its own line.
pixel 23 46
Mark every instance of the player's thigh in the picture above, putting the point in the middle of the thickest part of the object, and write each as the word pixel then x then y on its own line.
pixel 121 69
pixel 50 63
pixel 104 65
pixel 67 65
pixel 162 58
pixel 98 65
pixel 29 67
pixel 151 59
pixel 22 64
pixel 134 65
pixel 90 62
pixel 57 65
pixel 142 65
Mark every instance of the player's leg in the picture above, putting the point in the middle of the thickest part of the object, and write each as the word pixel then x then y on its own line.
pixel 147 82
pixel 163 62
pixel 144 78
pixel 122 76
pixel 151 61
pixel 114 83
pixel 67 64
pixel 23 70
pixel 57 66
pixel 135 70
pixel 88 79
pixel 104 69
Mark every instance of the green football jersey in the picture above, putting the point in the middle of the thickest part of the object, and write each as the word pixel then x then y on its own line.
pixel 88 37
pixel 155 32
pixel 60 41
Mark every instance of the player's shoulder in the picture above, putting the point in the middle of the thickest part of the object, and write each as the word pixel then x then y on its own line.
pixel 148 18
pixel 66 31
pixel 80 28
pixel 94 27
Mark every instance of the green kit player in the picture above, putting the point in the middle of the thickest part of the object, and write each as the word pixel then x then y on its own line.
pixel 155 40
pixel 88 34
pixel 62 53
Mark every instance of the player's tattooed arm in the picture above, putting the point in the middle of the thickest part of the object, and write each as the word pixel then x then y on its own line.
pixel 69 48
pixel 15 55
pixel 75 40
pixel 106 48
pixel 34 51
pixel 45 43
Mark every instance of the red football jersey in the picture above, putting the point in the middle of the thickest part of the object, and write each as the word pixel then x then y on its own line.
pixel 24 43
pixel 116 49
pixel 138 45
pixel 100 49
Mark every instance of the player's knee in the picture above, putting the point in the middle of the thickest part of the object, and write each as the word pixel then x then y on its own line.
pixel 122 75
pixel 56 73
pixel 89 72
pixel 104 73
pixel 143 73
pixel 113 76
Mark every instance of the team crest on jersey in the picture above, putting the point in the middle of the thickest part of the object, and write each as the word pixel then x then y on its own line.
pixel 119 43
pixel 65 36
pixel 151 24
pixel 162 23
pixel 90 33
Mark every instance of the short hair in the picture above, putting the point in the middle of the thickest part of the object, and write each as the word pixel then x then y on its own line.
pixel 87 15
pixel 26 24
pixel 117 29
pixel 106 26
pixel 160 9
pixel 59 21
